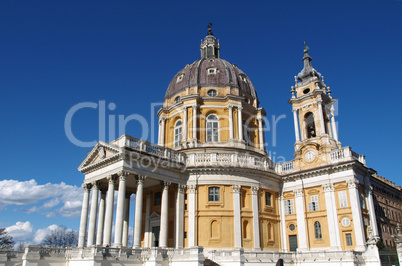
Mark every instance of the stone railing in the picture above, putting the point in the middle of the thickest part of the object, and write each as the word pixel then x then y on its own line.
pixel 335 156
pixel 345 154
pixel 151 149
pixel 283 168
pixel 222 159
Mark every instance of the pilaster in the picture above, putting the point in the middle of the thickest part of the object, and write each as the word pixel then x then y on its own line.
pixel 256 222
pixel 357 214
pixel 191 215
pixel 301 219
pixel 332 217
pixel 237 216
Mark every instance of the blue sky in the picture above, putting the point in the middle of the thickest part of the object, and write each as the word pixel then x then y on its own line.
pixel 57 54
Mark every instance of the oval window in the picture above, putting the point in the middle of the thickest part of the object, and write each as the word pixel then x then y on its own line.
pixel 212 93
pixel 177 99
pixel 292 227
pixel 306 91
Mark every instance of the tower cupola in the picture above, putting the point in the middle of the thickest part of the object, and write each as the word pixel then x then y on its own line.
pixel 308 72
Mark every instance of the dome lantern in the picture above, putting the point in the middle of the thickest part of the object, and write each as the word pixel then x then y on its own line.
pixel 209 47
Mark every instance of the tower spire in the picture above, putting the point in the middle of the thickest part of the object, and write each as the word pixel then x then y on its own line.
pixel 308 72
pixel 210 47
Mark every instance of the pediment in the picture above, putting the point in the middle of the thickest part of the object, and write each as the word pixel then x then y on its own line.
pixel 102 151
pixel 155 216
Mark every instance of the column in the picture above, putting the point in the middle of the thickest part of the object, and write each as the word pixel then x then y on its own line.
pixel 353 185
pixel 164 215
pixel 321 115
pixel 162 131
pixel 373 220
pixel 118 231
pixel 333 124
pixel 256 222
pixel 185 127
pixel 296 123
pixel 301 219
pixel 191 215
pixel 126 219
pixel 179 215
pixel 237 217
pixel 92 214
pixel 138 212
pixel 283 223
pixel 260 133
pixel 231 135
pixel 194 121
pixel 332 217
pixel 107 236
pixel 147 210
pixel 398 241
pixel 84 216
pixel 101 218
pixel 240 122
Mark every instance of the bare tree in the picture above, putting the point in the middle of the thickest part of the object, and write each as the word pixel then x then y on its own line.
pixel 61 237
pixel 6 241
pixel 20 246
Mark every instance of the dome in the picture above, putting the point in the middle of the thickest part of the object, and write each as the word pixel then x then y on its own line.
pixel 211 72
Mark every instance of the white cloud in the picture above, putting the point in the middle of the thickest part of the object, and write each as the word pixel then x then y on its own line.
pixel 40 234
pixel 71 209
pixel 51 203
pixel 24 232
pixel 14 192
pixel 20 231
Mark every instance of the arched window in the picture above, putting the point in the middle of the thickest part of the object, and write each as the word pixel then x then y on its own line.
pixel 212 128
pixel 317 230
pixel 270 232
pixel 246 132
pixel 214 229
pixel 177 133
pixel 310 125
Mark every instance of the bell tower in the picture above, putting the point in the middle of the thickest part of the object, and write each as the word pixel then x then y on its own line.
pixel 313 113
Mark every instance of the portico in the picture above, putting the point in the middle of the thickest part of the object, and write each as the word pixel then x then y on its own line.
pixel 151 177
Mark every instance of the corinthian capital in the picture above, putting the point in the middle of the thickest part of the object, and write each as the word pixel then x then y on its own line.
pixel 352 183
pixel 87 187
pixel 298 192
pixel 254 190
pixel 328 187
pixel 192 188
pixel 236 188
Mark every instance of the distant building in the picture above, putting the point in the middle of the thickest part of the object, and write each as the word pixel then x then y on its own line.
pixel 388 207
pixel 208 194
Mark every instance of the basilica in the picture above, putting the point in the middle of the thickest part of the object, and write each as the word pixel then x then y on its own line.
pixel 208 193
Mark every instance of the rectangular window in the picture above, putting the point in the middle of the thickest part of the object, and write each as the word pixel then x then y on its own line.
pixel 213 194
pixel 157 199
pixel 349 240
pixel 343 200
pixel 289 207
pixel 267 198
pixel 313 205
